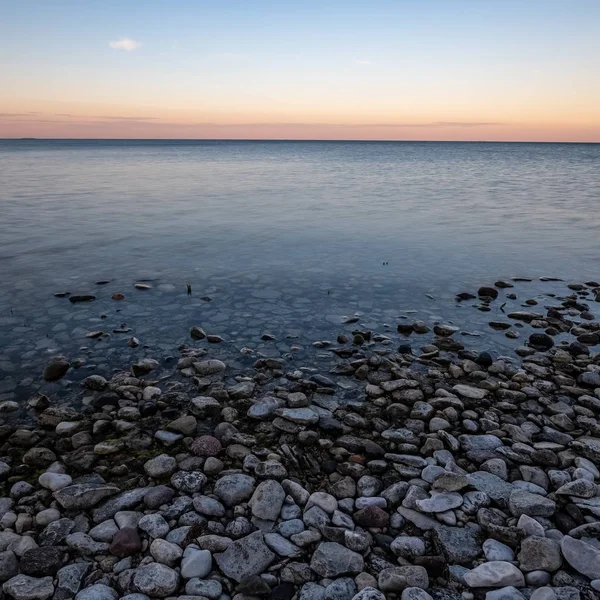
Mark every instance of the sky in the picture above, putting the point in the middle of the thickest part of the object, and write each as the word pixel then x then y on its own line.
pixel 497 70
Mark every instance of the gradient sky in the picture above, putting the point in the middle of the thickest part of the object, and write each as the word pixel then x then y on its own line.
pixel 409 70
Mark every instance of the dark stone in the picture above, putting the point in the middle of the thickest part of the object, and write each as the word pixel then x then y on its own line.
pixel 404 349
pixel 329 466
pixel 484 359
pixel 39 562
pixel 458 544
pixel 56 369
pixel 82 298
pixel 487 292
pixel 158 495
pixel 126 542
pixel 464 296
pixel 254 586
pixel 108 399
pixel 206 445
pixel 576 348
pixel 148 409
pixel 330 424
pixel 371 516
pixel 284 591
pixel 541 340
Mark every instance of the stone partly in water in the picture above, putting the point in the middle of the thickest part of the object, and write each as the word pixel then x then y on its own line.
pixel 56 369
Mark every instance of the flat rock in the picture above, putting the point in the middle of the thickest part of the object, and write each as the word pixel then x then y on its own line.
pixel 440 502
pixel 82 496
pixel 470 392
pixel 583 557
pixel 522 502
pixel 123 501
pixel 396 579
pixel 245 557
pixel 331 559
pixel 539 554
pixel 23 587
pixel 458 544
pixel 494 574
pixel 492 485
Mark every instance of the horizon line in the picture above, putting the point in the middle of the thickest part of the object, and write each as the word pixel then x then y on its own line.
pixel 72 139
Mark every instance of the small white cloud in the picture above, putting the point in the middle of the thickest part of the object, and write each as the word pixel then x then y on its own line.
pixel 364 62
pixel 125 44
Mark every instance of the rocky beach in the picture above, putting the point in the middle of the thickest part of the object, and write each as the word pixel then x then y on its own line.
pixel 390 461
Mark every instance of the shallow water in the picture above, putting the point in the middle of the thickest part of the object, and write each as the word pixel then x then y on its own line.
pixel 286 237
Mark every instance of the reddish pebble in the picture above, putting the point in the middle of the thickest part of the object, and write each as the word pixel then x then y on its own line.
pixel 206 445
pixel 118 296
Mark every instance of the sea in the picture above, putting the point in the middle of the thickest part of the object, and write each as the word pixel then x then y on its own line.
pixel 287 238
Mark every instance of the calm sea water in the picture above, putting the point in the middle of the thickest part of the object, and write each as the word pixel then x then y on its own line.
pixel 279 234
pixel 437 212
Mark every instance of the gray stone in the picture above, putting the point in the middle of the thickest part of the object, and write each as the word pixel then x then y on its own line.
pixel 82 496
pixel 494 574
pixel 331 559
pixel 480 448
pixel 195 563
pixel 522 502
pixel 396 579
pixel 208 507
pixel 104 532
pixel 539 554
pixel 267 500
pixel 123 501
pixel 408 546
pixel 234 489
pixel 441 502
pixel 162 465
pixel 98 591
pixel 369 593
pixel 246 557
pixel 9 565
pixel 583 557
pixel 495 550
pixel 209 588
pixel 154 525
pixel 156 580
pixel 70 578
pixel 189 482
pixel 543 593
pixel 495 487
pixel 458 544
pixel 505 593
pixel 23 587
pixel 302 416
pixel 84 544
pixel 343 588
pixel 281 546
pixel 414 593
pixel 165 552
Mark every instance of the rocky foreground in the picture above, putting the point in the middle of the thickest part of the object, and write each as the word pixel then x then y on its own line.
pixel 453 475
